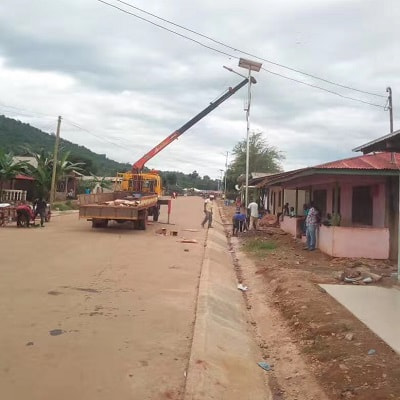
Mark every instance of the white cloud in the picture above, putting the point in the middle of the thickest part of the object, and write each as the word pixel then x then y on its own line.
pixel 132 84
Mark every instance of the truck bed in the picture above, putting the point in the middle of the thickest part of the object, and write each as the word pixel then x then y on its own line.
pixel 94 206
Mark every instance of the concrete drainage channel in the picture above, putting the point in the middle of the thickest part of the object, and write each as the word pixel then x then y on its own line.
pixel 224 355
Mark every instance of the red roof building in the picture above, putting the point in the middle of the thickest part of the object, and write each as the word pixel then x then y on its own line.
pixel 358 201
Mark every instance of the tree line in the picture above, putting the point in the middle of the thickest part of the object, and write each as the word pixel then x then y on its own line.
pixel 22 139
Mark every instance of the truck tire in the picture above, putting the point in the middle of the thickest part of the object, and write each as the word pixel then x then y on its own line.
pixel 156 213
pixel 142 222
pixel 23 219
pixel 99 223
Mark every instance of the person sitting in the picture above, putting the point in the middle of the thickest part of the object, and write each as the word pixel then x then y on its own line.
pixel 292 212
pixel 70 194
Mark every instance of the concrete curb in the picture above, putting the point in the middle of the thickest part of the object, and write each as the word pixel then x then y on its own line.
pixel 224 356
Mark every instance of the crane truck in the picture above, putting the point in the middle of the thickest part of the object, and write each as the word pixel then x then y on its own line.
pixel 139 193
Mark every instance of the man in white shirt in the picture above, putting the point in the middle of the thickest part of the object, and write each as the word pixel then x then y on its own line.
pixel 208 211
pixel 253 209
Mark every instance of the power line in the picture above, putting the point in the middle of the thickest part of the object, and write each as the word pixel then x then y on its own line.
pixel 33 114
pixel 244 52
pixel 325 90
pixel 167 29
pixel 232 56
pixel 93 134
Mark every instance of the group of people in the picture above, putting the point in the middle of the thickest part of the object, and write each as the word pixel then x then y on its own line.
pixel 240 221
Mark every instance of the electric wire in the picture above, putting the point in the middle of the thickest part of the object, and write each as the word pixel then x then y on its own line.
pixel 246 53
pixel 93 134
pixel 236 57
pixel 324 89
pixel 35 114
pixel 167 29
pixel 23 112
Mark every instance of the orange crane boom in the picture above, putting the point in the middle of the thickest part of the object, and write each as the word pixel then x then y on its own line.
pixel 139 164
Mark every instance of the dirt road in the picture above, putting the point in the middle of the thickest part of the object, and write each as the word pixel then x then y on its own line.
pixel 98 314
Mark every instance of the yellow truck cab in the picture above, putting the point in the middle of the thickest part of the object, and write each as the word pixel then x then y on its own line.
pixel 143 183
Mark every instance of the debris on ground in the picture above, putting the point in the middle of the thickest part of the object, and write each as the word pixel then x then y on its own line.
pixel 188 241
pixel 357 276
pixel 268 220
pixel 349 336
pixel 265 366
pixel 317 333
pixel 56 332
pixel 242 287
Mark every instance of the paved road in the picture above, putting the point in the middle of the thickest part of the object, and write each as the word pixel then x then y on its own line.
pixel 98 314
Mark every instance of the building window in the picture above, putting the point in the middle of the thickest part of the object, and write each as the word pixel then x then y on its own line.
pixel 362 205
pixel 319 199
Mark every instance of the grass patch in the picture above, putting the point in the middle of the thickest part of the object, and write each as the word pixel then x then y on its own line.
pixel 65 205
pixel 259 247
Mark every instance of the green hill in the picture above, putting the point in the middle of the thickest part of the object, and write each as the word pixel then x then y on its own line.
pixel 15 136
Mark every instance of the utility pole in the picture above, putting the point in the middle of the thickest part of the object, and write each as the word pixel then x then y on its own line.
pixel 53 176
pixel 390 107
pixel 226 169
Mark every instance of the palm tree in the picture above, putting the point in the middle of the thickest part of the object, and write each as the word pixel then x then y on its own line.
pixel 44 169
pixel 9 169
pixel 65 167
pixel 42 172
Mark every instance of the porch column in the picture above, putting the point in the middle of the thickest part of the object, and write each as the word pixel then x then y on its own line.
pixel 336 199
pixel 398 240
pixel 297 201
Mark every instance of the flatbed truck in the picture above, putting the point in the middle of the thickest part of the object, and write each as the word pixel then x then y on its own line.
pixel 120 207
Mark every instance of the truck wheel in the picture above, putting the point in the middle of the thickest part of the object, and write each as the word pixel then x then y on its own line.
pixel 99 223
pixel 143 221
pixel 156 213
pixel 23 219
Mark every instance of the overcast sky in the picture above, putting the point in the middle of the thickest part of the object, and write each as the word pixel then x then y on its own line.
pixel 131 84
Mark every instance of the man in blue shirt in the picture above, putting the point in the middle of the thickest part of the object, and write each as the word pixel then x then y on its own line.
pixel 238 222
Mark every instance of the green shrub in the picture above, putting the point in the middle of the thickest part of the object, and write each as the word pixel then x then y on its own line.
pixel 259 246
pixel 66 205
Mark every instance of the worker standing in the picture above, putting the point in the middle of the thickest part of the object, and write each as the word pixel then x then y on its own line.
pixel 253 209
pixel 208 211
pixel 40 208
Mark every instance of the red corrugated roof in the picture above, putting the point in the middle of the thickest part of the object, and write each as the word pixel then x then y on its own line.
pixel 24 177
pixel 377 161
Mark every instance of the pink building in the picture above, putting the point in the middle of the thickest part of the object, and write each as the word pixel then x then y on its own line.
pixel 358 199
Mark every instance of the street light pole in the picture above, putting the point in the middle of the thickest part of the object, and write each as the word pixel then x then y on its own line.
pixel 246 198
pixel 250 66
